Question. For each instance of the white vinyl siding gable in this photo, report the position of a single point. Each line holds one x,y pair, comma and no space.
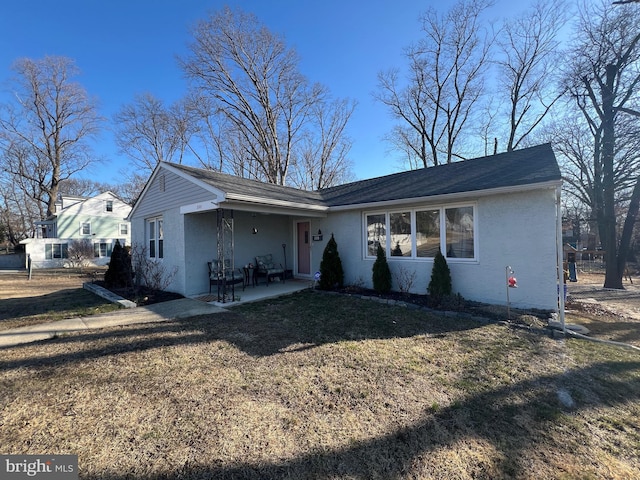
167,188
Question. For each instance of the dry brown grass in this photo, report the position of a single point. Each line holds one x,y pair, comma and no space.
48,296
324,386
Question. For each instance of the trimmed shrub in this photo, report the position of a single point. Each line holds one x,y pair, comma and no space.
331,273
381,272
119,272
440,283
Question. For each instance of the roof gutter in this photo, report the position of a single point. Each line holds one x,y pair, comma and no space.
448,197
276,203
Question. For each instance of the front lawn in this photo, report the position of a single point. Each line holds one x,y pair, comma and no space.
324,386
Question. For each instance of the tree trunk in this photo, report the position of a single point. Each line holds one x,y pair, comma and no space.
627,230
613,275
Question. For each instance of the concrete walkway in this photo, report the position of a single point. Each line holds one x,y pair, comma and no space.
175,309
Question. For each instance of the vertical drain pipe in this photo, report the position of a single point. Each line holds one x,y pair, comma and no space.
559,270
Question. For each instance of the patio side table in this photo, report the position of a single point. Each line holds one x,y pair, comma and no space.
250,276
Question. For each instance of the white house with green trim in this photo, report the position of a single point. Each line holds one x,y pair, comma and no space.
101,220
484,214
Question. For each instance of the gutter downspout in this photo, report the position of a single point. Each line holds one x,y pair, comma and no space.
559,269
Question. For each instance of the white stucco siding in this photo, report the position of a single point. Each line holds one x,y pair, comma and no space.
273,231
516,230
346,227
200,247
163,198
174,248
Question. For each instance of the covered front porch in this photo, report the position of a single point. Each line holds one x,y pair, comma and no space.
231,239
257,293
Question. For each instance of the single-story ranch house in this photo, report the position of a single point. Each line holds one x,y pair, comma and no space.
485,215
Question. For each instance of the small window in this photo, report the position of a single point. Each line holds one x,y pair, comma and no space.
459,232
109,206
155,236
376,233
124,229
56,250
427,233
102,249
85,228
400,225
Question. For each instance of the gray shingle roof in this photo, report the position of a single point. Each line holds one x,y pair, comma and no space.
253,188
521,167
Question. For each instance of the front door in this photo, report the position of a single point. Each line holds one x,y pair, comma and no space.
304,249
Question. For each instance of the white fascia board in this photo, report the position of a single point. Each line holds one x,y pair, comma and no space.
271,210
205,206
269,202
449,197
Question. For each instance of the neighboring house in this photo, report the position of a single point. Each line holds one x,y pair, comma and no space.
485,215
101,220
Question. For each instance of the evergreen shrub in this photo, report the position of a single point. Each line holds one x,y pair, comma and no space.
381,272
331,273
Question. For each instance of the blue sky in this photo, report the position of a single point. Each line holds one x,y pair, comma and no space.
125,47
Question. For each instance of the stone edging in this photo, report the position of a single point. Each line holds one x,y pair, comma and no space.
108,295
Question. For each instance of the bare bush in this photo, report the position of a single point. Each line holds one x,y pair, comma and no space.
151,272
404,279
80,253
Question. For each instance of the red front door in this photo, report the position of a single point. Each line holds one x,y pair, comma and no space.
304,249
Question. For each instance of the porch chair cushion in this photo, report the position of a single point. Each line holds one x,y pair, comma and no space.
231,276
266,267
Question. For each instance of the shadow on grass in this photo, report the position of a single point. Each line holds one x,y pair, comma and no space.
487,415
305,321
295,322
50,303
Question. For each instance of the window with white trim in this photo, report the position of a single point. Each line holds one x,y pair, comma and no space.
56,250
108,206
459,236
155,237
400,228
124,229
427,233
85,228
102,249
421,232
376,233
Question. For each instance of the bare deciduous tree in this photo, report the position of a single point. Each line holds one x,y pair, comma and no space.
604,81
44,131
321,156
445,81
149,132
18,213
528,51
253,83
